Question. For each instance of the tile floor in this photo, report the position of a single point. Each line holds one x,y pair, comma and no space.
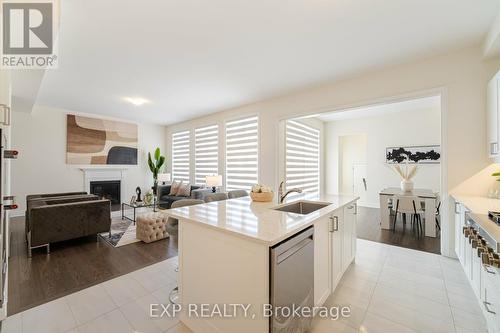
394,289
118,305
389,289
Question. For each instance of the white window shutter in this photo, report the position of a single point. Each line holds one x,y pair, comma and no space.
242,153
206,146
302,157
180,156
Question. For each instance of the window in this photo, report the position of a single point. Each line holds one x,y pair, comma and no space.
206,152
242,153
302,157
180,156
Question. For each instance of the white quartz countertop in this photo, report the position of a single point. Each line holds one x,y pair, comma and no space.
257,221
478,205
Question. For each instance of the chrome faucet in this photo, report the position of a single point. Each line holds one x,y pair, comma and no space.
282,196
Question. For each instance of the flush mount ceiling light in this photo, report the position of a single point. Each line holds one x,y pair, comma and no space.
137,101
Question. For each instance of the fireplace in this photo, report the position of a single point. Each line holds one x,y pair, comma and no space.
108,189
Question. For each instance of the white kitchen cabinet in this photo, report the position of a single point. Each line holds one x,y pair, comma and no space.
336,238
345,226
467,258
354,233
459,236
322,257
476,269
491,300
335,248
349,235
493,118
458,230
484,279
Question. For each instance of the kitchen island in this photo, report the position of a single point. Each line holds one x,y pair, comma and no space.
224,254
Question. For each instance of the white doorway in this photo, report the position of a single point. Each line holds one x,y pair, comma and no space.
355,145
360,140
353,166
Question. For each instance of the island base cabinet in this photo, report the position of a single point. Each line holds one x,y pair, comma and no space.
336,238
335,248
342,242
322,229
349,235
217,268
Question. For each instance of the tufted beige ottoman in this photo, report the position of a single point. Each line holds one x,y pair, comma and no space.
151,227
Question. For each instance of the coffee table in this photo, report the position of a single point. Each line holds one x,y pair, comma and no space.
134,207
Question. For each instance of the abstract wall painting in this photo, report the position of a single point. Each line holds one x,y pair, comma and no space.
413,154
100,141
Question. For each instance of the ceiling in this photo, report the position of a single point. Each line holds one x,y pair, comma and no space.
194,57
383,109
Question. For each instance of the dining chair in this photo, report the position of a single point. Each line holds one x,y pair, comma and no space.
438,216
406,204
172,227
215,197
237,194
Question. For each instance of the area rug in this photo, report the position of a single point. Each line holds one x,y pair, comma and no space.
122,233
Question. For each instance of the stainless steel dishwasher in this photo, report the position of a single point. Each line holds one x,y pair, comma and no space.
292,281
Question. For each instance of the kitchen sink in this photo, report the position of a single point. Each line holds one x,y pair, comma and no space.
302,207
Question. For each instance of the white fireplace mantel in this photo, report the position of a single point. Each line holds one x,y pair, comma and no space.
91,174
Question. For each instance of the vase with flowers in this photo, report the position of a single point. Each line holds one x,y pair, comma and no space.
406,173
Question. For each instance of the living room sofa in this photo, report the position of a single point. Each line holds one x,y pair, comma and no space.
33,197
165,200
52,218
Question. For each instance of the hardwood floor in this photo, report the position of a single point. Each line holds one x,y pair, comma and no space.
72,266
368,228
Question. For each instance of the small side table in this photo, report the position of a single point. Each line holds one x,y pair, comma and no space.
134,207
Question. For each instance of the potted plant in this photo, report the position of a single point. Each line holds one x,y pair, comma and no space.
155,167
493,191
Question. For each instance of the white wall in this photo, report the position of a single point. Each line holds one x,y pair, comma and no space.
461,75
480,183
40,137
408,128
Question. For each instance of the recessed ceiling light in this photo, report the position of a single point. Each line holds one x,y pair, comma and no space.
137,101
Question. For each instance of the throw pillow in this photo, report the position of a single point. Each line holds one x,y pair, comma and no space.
174,188
184,190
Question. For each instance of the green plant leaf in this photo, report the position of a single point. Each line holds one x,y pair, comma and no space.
160,162
495,174
150,163
157,154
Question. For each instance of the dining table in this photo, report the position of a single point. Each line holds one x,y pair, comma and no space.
428,197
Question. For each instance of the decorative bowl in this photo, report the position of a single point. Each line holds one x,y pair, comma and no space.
262,196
